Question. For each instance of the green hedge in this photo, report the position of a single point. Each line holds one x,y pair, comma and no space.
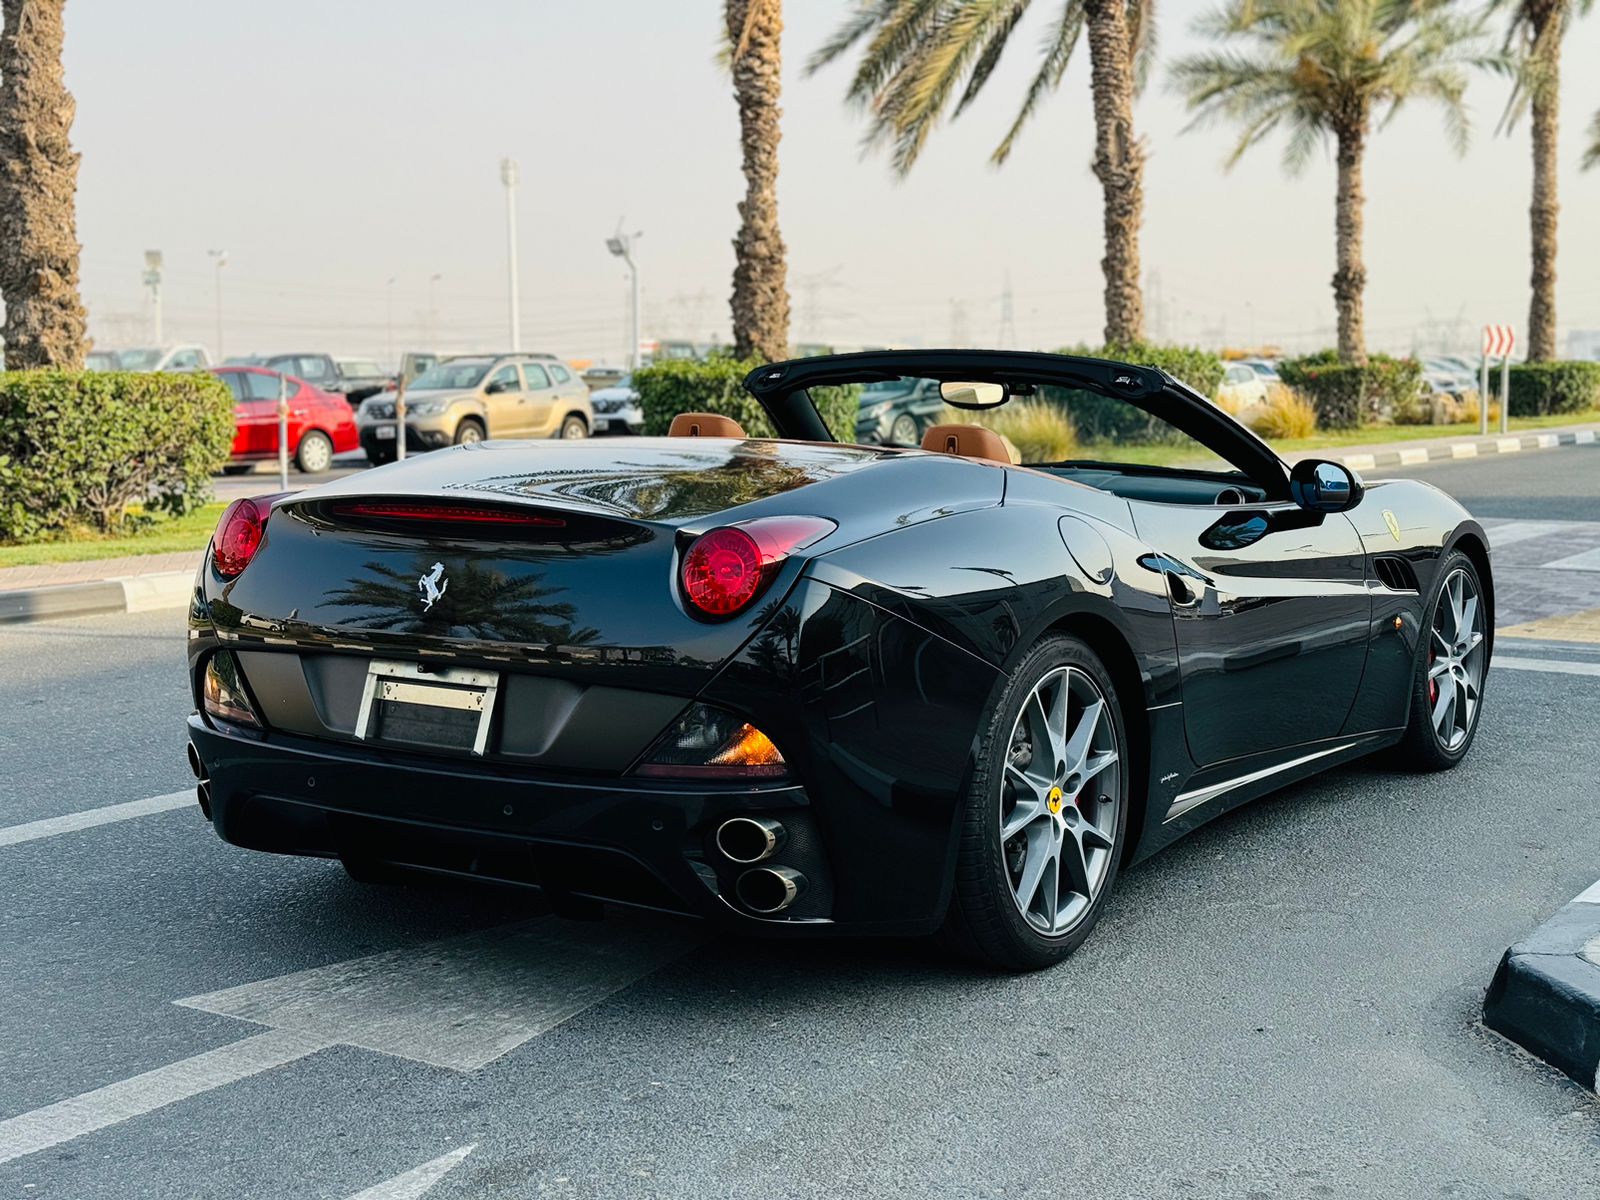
1544,388
1106,419
77,448
716,386
1347,396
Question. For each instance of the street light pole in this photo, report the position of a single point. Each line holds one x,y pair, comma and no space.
508,176
621,245
388,312
432,313
222,260
152,280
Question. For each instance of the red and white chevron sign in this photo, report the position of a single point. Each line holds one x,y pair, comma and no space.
1498,341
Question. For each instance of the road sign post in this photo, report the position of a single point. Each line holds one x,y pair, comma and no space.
400,418
1498,342
283,431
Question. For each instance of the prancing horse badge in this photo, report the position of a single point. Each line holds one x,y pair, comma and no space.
1394,525
434,584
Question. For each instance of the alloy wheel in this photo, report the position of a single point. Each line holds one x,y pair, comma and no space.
1455,660
574,428
1059,800
904,430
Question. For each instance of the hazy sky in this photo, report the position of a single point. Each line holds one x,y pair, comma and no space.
330,145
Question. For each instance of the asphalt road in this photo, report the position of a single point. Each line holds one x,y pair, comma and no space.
1284,1005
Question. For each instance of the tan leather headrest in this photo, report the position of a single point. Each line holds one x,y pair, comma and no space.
704,425
968,441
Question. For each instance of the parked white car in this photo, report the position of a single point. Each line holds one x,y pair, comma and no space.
617,408
1242,388
164,358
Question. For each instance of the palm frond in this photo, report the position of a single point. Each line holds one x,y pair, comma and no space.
868,15
1057,48
1591,156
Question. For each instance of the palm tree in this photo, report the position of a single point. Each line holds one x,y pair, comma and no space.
920,55
1334,70
44,324
760,298
1537,29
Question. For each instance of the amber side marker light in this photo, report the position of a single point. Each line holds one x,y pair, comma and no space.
711,743
222,692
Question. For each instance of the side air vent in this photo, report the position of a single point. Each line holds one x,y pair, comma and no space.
1395,573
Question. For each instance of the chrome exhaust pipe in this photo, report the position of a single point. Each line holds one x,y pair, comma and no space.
749,839
769,890
195,764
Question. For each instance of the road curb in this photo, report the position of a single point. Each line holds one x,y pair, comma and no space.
1545,995
131,593
1464,448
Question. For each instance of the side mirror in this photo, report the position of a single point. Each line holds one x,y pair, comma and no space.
1318,485
494,389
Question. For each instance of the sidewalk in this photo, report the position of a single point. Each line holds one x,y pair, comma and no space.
1421,450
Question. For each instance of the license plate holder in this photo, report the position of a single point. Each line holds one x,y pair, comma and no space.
384,433
417,707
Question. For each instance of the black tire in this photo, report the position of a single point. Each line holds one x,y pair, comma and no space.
238,468
905,431
985,920
573,427
469,430
1422,748
314,454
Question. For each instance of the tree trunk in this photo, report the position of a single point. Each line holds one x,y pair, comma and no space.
44,324
1350,275
1546,103
1119,165
760,299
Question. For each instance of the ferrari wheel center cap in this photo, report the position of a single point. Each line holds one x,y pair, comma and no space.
1054,800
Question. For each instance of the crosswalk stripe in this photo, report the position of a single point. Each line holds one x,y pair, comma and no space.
418,1181
1553,665
13,835
1587,560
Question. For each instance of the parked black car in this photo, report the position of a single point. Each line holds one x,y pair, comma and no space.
807,688
353,378
896,412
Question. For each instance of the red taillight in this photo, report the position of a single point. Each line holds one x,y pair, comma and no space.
459,514
239,535
725,569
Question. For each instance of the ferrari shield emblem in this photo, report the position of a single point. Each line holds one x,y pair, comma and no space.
433,585
1392,523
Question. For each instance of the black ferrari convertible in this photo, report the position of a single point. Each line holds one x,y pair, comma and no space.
806,687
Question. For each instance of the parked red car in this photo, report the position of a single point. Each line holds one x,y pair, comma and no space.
321,424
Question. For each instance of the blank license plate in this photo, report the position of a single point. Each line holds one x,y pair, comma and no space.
404,704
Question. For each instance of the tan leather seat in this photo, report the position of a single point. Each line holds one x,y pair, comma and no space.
704,425
967,441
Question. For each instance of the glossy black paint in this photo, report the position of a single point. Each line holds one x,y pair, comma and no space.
1249,643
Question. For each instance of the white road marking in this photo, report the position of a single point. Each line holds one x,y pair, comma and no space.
1549,441
419,1180
1360,462
1508,533
463,1002
459,1003
1583,437
1589,560
1554,666
1416,455
1464,450
1589,895
72,822
1508,445
61,1122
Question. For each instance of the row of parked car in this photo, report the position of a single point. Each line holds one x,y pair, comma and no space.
449,401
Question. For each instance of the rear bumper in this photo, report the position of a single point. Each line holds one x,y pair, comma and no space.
618,840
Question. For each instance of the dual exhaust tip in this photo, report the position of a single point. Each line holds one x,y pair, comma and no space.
751,840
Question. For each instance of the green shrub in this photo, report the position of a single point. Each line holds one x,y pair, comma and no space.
1105,419
1541,389
1347,396
717,386
77,448
1039,431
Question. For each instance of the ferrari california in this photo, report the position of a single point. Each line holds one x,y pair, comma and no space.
804,687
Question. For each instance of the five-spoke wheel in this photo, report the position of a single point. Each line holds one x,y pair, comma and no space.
1453,660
